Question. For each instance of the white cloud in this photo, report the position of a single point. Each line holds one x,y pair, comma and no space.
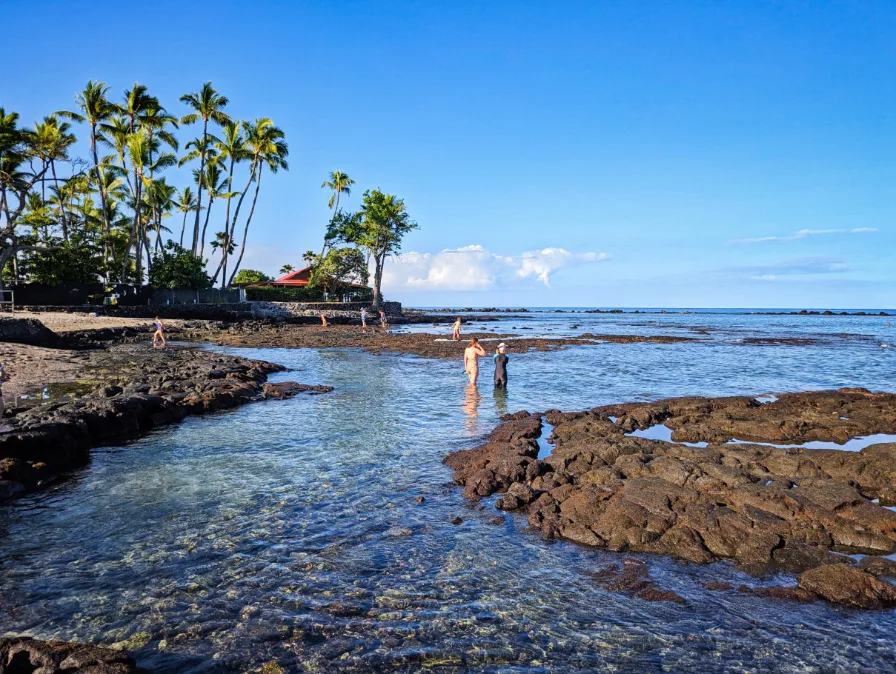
806,233
475,268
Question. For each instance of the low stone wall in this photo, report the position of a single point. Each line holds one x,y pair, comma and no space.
328,309
223,312
218,312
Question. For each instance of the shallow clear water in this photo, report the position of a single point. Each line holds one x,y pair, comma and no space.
289,531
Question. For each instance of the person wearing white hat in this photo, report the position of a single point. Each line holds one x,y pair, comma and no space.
501,366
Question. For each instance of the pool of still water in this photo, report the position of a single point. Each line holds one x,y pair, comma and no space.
290,532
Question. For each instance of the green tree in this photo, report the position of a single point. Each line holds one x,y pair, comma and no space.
340,183
77,260
379,228
250,276
95,109
285,269
186,203
208,105
176,267
16,183
340,267
267,147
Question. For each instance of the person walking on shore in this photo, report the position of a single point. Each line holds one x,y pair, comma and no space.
501,366
158,337
363,319
382,318
471,360
456,328
323,320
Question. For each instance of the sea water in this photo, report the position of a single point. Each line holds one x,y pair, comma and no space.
290,532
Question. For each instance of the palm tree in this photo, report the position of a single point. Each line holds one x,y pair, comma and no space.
214,182
339,182
232,149
137,145
207,105
95,109
267,147
50,142
186,203
223,242
285,269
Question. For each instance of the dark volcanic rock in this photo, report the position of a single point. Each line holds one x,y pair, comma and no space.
27,331
769,509
24,655
137,389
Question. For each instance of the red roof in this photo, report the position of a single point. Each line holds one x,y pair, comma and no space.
298,279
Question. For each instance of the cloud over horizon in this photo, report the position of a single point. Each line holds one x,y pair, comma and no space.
805,234
473,267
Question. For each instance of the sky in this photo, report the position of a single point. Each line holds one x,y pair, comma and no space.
599,154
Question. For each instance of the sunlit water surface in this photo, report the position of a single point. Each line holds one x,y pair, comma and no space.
290,531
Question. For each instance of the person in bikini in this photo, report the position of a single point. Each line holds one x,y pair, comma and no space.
456,328
471,359
158,337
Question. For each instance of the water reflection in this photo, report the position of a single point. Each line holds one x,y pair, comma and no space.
291,531
472,398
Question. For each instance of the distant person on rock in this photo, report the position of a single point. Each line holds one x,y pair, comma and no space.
323,320
364,319
158,337
456,328
471,360
501,366
382,318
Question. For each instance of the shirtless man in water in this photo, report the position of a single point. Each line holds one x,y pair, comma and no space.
471,359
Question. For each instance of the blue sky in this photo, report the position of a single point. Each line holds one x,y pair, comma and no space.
704,154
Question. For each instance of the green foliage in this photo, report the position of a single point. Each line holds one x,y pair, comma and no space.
78,260
177,267
250,276
339,268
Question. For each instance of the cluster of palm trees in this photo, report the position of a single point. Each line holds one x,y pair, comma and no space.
113,207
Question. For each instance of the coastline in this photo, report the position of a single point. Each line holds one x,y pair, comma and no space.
764,502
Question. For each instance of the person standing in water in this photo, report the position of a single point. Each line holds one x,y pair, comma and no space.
501,366
471,360
158,337
456,329
383,321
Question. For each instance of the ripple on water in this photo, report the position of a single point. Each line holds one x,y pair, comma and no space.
290,531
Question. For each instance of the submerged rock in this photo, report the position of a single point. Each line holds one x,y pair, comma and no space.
23,655
136,389
700,497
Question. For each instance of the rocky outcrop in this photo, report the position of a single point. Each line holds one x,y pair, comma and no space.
137,388
767,508
23,655
27,331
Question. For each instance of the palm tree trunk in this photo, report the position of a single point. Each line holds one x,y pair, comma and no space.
227,229
199,193
62,218
208,212
102,187
246,229
183,227
323,248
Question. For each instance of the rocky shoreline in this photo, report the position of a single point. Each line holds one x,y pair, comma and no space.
119,392
700,496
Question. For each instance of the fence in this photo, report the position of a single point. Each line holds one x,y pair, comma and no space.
76,294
